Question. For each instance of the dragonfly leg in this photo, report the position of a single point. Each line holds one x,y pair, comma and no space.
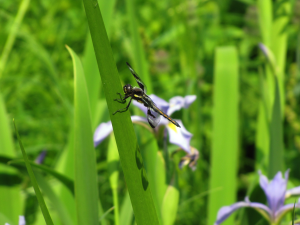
149,112
121,99
124,109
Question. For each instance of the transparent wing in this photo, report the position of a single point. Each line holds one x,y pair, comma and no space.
137,78
154,106
153,117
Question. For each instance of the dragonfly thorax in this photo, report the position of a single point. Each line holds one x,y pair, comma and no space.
127,89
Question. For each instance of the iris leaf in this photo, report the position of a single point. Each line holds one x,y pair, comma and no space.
225,142
36,188
130,156
86,189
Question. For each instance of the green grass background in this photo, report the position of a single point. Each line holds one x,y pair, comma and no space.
245,117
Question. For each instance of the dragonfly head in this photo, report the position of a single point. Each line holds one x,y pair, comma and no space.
127,89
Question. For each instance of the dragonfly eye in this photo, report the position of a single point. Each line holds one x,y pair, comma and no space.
127,89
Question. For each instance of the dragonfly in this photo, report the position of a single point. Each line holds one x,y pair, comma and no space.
139,94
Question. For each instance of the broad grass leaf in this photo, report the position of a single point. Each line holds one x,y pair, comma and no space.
86,189
225,140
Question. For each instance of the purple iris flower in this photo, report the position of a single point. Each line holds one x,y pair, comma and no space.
41,157
275,191
21,221
178,136
264,50
104,129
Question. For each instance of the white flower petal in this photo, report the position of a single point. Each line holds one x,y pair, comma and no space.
292,191
102,131
138,119
140,106
22,220
178,102
179,136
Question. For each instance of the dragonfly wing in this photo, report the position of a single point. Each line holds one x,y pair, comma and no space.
137,78
153,117
154,106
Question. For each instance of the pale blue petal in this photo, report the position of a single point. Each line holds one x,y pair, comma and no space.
140,106
292,191
22,220
163,121
188,100
258,205
226,211
41,157
160,103
263,48
263,181
178,102
102,131
138,119
286,208
274,190
179,136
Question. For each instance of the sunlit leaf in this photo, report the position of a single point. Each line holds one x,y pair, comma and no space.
225,144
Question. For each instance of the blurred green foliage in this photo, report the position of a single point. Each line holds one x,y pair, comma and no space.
179,39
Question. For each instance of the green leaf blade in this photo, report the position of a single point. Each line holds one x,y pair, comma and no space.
170,205
38,193
86,190
130,156
11,194
62,178
113,170
224,156
59,207
276,162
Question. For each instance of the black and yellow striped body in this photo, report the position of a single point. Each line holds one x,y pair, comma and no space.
156,109
140,96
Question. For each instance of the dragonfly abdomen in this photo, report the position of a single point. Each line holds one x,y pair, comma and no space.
166,116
